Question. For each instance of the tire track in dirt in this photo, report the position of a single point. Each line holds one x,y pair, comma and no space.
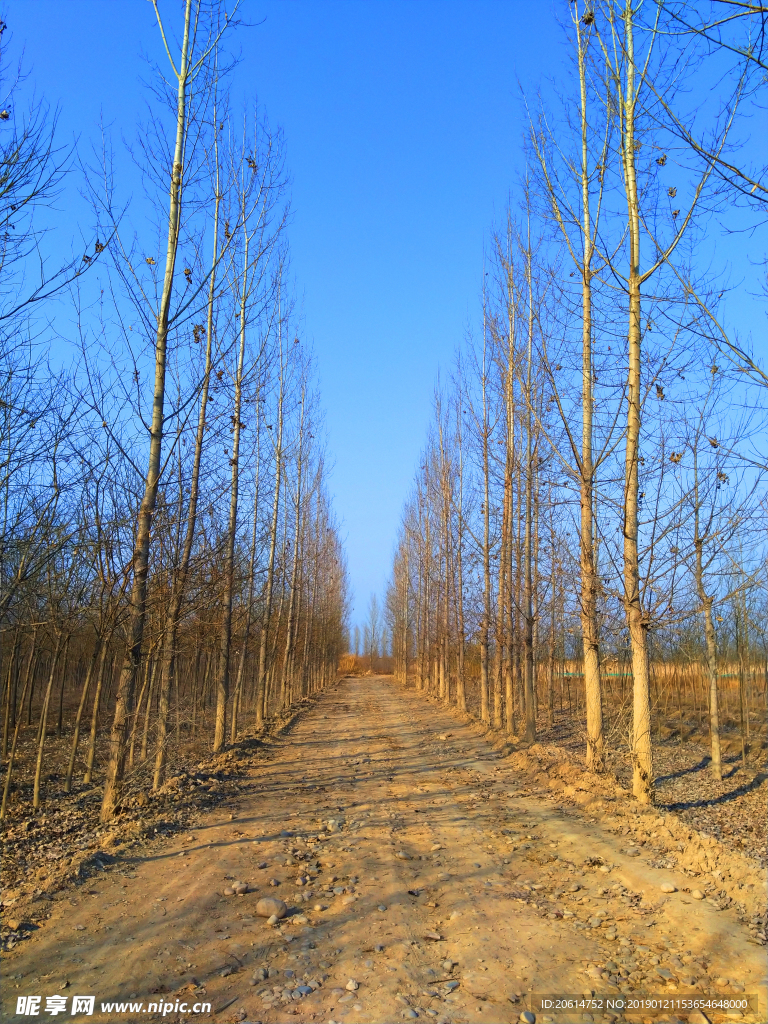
440,892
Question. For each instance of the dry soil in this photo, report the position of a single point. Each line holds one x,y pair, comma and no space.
425,879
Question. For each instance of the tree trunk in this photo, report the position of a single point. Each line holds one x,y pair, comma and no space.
9,685
222,680
79,717
643,782
138,602
486,617
261,680
44,719
16,731
249,601
286,679
87,778
588,603
530,700
170,631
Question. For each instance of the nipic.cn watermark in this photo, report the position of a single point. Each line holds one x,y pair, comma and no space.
32,1006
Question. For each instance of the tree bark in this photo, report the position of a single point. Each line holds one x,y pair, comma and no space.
79,716
180,580
222,679
643,781
130,669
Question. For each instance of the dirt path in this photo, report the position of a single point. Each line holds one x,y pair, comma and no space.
439,892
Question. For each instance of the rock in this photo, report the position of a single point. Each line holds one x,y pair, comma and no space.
273,919
319,907
697,1017
241,888
402,855
352,985
378,949
260,974
410,1014
633,851
722,982
229,891
451,986
526,1017
435,848
381,907
332,826
273,882
697,894
668,887
262,865
269,906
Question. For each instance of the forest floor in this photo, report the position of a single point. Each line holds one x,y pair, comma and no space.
426,873
733,809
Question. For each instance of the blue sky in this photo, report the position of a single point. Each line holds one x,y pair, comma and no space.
403,123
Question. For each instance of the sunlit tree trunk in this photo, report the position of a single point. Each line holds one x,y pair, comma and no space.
222,677
643,783
588,602
286,677
461,691
530,701
710,640
261,679
130,669
239,684
486,551
180,580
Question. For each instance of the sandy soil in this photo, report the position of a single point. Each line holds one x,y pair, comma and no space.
444,888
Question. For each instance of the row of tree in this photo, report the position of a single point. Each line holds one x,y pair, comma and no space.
587,493
170,562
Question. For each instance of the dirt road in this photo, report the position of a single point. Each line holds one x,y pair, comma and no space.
420,881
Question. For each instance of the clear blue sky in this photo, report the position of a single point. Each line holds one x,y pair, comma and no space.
403,123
